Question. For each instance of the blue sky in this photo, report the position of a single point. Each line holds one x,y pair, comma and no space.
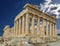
10,8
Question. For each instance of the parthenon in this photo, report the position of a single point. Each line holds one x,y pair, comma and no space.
32,22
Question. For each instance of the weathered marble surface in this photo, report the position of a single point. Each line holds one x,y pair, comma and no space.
24,42
50,44
55,43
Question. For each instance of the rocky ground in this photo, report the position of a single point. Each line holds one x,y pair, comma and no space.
54,43
49,44
16,41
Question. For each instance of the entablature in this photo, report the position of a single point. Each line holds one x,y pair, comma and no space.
41,14
34,10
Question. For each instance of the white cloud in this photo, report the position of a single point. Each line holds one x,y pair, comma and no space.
47,2
47,7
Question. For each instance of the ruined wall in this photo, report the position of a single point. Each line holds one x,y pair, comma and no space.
7,32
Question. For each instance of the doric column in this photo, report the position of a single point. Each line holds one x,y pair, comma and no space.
27,24
42,27
22,25
46,28
51,29
33,29
38,26
19,26
54,29
14,28
55,34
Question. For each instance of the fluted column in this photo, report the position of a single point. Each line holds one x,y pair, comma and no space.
51,29
55,34
38,26
19,26
22,25
42,31
27,24
55,30
33,25
14,29
46,28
